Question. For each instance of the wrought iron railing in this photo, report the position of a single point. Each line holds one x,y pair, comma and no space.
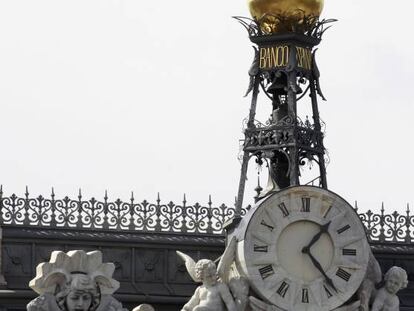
285,132
113,215
161,217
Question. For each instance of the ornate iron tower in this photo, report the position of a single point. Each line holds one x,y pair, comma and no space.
284,70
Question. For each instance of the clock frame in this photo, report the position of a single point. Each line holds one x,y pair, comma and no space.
303,248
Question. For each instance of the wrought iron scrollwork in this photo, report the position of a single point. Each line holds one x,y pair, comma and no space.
169,218
116,215
309,25
282,134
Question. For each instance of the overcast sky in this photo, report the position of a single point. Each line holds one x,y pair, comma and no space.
147,96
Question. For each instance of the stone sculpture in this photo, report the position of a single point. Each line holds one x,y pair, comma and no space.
386,298
75,281
144,307
381,295
217,292
239,286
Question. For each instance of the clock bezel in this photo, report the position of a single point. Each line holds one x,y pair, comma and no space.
244,227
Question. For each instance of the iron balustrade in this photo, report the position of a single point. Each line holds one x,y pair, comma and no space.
272,137
161,217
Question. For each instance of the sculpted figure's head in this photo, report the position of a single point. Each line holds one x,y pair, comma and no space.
76,280
79,294
395,279
206,271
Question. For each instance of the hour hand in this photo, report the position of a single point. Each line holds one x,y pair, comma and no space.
323,229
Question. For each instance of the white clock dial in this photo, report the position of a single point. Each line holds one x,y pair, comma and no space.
303,248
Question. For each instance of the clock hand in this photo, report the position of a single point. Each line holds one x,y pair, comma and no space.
322,230
319,267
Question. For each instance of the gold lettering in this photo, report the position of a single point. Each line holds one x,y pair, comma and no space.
308,59
280,56
304,58
299,52
262,58
275,55
286,55
268,57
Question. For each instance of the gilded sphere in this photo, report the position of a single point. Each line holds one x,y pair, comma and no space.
287,9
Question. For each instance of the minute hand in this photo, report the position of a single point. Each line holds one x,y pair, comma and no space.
319,267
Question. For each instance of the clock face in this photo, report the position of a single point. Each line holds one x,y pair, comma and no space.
303,248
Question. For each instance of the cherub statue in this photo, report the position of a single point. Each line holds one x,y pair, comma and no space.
76,281
386,298
214,294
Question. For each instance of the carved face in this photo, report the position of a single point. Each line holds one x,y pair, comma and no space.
393,284
78,300
206,271
79,294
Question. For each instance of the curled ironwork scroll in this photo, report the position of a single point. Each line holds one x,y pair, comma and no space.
159,217
309,25
117,215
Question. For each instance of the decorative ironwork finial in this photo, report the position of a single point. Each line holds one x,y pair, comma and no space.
132,197
258,189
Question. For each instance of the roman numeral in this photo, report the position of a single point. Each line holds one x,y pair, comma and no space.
266,225
343,274
284,209
305,205
328,292
349,252
283,289
260,249
343,229
266,271
327,211
305,295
